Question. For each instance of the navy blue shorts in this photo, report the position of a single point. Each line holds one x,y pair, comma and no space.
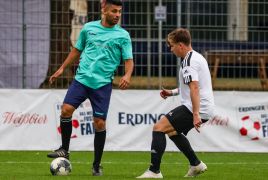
99,98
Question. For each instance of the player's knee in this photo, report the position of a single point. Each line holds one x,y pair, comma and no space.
157,127
65,113
172,133
99,124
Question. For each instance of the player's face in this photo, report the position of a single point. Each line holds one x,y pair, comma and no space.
176,48
112,14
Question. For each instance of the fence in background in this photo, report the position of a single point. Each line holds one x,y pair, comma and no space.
24,43
231,34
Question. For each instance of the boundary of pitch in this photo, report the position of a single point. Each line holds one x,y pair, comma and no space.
217,163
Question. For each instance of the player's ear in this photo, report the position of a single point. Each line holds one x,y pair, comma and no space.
105,11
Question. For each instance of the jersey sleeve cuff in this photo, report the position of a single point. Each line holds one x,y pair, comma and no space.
127,58
79,48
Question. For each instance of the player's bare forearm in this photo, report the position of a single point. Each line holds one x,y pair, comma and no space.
195,98
124,81
129,66
74,54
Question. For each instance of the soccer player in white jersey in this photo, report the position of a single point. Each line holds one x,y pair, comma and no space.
197,104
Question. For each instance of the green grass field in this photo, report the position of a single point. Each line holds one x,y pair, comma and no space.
127,165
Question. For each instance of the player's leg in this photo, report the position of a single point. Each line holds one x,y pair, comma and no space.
76,94
182,120
158,147
66,125
99,141
100,100
196,166
185,147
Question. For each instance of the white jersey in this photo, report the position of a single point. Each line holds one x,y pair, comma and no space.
194,67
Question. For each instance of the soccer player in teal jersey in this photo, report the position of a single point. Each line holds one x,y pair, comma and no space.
100,45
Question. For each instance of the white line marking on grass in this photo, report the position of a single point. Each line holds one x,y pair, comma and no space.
219,163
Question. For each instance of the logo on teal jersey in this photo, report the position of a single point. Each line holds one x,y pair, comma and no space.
92,34
100,45
99,113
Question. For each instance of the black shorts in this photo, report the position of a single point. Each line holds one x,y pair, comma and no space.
181,118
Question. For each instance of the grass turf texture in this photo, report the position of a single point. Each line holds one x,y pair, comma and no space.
127,165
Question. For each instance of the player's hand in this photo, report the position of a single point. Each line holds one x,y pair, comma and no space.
197,122
165,93
54,76
124,82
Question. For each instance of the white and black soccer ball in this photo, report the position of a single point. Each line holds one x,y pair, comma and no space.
60,166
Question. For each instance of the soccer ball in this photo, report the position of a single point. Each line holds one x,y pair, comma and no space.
250,127
60,166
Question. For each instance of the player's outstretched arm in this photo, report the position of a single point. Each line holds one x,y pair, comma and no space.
74,54
124,81
166,93
195,97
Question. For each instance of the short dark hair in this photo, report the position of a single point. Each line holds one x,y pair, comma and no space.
179,35
113,2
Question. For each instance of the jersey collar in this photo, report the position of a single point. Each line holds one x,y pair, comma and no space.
108,29
182,59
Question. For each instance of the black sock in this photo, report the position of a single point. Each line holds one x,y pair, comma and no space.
99,141
66,132
184,146
157,150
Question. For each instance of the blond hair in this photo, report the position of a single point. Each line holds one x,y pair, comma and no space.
179,35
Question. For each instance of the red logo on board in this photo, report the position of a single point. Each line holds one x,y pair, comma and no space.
19,118
217,121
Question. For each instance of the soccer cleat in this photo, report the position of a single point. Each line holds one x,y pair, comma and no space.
150,174
96,170
195,170
59,153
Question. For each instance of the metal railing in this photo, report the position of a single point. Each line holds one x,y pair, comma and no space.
230,34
